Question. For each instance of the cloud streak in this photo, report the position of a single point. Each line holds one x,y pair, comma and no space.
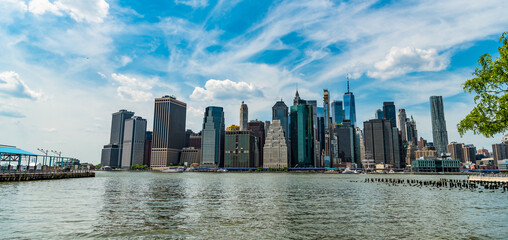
11,85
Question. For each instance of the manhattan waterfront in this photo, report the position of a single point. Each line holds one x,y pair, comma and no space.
129,205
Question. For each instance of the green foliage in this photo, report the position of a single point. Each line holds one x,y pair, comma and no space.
490,115
285,169
259,169
98,166
139,167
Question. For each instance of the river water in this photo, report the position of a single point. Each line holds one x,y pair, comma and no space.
130,205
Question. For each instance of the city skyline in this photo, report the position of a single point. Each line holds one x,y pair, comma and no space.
67,68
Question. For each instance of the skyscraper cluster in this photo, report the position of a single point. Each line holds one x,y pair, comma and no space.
303,135
127,141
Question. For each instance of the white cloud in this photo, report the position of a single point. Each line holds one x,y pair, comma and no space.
193,3
92,11
400,61
225,89
125,60
12,85
132,89
43,6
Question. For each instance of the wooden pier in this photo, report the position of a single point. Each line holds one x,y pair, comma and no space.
32,176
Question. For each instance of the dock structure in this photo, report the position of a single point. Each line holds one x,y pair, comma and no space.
20,165
12,157
15,176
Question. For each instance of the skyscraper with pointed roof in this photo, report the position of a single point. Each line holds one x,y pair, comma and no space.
349,106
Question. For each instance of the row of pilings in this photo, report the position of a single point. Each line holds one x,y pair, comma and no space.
32,176
443,184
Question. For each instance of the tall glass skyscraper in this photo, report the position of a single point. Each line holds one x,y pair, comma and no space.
302,137
349,107
337,112
212,141
439,133
389,113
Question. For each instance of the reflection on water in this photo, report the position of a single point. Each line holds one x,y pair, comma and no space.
246,206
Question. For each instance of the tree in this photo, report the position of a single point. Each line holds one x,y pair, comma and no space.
490,115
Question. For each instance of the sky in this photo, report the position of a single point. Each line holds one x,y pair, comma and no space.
67,65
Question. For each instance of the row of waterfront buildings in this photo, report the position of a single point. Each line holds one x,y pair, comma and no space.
303,135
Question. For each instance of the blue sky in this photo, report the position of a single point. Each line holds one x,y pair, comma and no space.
66,65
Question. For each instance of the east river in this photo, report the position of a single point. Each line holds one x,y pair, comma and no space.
144,205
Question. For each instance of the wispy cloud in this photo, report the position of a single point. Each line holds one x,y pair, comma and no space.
93,11
11,113
193,3
11,85
132,89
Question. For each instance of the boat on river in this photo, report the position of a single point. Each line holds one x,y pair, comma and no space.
349,171
173,170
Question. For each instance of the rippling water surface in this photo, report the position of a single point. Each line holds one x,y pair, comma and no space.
246,206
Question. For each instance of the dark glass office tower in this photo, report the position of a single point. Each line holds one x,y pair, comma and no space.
212,138
337,112
389,113
302,138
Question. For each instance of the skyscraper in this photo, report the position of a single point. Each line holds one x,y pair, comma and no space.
302,138
112,153
148,148
280,112
239,149
337,112
244,116
258,130
212,138
389,113
411,131
439,133
379,114
275,150
349,106
133,142
401,122
469,152
345,142
456,151
359,147
168,131
379,141
500,153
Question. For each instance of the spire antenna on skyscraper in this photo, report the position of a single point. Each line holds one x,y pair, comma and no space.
347,76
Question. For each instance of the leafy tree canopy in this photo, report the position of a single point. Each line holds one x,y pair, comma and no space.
490,85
